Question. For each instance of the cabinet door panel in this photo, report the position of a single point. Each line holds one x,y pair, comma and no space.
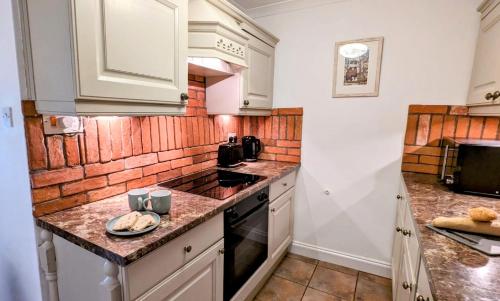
258,78
423,287
280,223
486,71
201,279
131,49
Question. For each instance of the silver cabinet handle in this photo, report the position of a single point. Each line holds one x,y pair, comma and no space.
221,251
246,102
406,232
285,184
188,249
399,197
273,210
184,96
422,298
398,229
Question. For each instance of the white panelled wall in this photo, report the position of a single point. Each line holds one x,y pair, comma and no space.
19,276
353,146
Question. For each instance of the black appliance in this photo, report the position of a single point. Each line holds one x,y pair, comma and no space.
251,148
230,154
245,240
472,166
213,183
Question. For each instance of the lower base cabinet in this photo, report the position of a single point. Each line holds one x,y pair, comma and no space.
409,276
280,223
201,279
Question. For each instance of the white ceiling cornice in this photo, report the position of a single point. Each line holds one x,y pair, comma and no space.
282,6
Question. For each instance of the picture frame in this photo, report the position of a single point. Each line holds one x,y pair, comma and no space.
357,66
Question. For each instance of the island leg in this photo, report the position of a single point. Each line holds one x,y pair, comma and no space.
47,255
111,287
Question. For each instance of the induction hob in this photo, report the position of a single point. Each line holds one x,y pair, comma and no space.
213,183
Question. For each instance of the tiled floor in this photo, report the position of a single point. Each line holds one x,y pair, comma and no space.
301,278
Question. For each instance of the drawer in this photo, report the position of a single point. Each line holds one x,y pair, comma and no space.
156,266
281,185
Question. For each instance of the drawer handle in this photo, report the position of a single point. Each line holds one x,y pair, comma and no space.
406,285
246,102
188,249
407,233
184,96
285,184
221,251
496,95
398,229
489,96
422,298
273,210
399,197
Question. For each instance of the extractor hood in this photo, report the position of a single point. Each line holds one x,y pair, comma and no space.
217,44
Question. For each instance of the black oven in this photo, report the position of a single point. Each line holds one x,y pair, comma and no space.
245,240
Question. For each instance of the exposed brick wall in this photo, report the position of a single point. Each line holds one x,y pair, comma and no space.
427,125
116,154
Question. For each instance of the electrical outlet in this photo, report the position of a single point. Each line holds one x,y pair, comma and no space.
6,117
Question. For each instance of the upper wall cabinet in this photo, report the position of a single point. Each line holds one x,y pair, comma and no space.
107,57
219,30
484,91
258,78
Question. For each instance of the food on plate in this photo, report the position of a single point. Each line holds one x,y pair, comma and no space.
143,222
126,221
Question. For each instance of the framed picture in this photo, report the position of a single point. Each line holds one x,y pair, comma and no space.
356,70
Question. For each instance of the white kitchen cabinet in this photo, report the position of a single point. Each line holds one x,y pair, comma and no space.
397,247
109,57
258,78
484,90
201,279
281,223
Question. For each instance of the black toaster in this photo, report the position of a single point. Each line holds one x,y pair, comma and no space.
230,154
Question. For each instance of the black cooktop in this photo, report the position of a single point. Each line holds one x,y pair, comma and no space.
213,183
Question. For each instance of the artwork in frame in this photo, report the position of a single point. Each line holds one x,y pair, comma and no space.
356,71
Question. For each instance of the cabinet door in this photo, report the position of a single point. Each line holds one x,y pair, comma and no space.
486,71
258,78
404,286
397,246
201,279
131,50
423,288
280,223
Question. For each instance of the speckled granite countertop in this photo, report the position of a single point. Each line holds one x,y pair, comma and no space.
85,225
456,271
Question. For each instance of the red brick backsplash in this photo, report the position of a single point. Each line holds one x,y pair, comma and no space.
116,154
426,127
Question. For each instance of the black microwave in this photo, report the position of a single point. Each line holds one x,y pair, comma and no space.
472,166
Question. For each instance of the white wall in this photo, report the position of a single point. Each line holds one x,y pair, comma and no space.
353,146
19,276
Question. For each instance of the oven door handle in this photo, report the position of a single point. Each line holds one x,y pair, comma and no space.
244,219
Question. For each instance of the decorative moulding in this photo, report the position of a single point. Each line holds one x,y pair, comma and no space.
285,6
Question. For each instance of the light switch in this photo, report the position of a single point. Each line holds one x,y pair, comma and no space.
6,116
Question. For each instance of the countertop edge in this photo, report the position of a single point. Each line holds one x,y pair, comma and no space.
146,249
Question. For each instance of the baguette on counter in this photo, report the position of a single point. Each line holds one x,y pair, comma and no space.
466,224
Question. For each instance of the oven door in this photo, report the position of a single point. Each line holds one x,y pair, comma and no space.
245,242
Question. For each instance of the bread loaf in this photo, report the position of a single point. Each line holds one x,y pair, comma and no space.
482,214
466,224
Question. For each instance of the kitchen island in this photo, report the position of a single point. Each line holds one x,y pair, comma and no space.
454,271
126,264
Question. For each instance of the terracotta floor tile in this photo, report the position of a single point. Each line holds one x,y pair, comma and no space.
279,289
373,288
315,295
295,270
339,268
374,278
334,282
303,258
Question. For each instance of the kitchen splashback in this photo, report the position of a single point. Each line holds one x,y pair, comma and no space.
428,124
116,154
